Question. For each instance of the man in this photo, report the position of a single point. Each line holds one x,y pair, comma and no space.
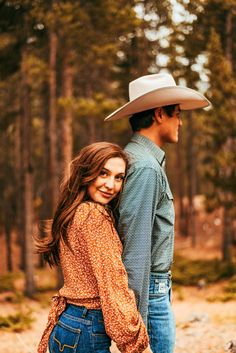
146,220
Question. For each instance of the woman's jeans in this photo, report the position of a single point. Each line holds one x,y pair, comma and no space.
79,330
161,322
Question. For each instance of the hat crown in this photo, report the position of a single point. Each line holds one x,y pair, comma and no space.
148,83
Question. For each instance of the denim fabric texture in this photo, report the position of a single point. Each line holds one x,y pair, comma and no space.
161,322
79,330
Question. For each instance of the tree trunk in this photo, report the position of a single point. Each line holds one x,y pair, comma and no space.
8,243
91,130
228,206
20,226
228,197
52,137
66,128
66,125
46,209
191,180
180,191
229,37
28,182
227,236
51,125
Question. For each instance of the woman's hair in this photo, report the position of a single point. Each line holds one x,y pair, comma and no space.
84,169
143,120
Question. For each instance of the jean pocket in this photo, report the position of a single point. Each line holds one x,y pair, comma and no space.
98,327
64,338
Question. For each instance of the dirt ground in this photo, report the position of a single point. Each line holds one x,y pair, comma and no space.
202,326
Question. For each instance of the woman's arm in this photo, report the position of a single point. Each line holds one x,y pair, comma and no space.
122,320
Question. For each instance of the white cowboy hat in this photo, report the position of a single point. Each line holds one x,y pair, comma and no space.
158,90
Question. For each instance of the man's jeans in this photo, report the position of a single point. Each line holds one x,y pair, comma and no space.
79,330
161,322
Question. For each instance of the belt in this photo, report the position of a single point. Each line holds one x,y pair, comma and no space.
167,274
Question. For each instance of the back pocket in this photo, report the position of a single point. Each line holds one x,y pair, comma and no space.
98,327
64,339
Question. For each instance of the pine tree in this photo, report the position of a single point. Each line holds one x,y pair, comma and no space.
221,139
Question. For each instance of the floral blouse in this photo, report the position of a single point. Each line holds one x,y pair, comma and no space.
95,277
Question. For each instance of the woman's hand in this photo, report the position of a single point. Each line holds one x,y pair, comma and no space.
147,350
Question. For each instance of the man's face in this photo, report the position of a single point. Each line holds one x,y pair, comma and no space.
169,126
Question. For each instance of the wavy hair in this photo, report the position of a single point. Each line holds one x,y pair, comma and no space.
84,169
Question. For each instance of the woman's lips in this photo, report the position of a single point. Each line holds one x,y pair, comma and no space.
106,194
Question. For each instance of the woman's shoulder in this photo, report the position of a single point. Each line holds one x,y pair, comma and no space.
90,206
90,209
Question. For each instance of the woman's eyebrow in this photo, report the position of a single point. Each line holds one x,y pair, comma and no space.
108,170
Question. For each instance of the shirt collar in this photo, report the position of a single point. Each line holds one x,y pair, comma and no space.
150,146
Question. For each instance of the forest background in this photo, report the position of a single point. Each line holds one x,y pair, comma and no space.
65,65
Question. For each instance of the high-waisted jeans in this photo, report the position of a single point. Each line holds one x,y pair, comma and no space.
79,330
161,322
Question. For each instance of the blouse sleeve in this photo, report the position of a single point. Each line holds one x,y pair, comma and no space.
123,322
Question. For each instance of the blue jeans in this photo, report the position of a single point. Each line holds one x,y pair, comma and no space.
79,330
161,322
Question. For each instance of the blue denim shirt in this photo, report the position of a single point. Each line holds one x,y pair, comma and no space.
146,218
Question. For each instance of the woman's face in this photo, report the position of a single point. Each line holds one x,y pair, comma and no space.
108,184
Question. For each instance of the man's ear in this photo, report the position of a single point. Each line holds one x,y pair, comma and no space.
158,115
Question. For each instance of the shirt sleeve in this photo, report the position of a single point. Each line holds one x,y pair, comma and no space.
140,196
123,322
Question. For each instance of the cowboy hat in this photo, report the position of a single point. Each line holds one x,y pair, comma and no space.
158,90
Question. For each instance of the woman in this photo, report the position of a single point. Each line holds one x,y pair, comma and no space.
95,304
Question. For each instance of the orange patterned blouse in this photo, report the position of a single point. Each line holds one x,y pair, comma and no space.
95,277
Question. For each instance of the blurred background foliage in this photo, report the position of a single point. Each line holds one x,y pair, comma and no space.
65,65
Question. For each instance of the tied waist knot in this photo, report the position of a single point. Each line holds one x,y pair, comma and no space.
58,305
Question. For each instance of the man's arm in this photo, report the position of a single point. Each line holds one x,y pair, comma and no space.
137,210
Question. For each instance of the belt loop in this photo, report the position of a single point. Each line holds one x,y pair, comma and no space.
84,313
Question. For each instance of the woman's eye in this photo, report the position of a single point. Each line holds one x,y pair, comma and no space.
103,173
120,178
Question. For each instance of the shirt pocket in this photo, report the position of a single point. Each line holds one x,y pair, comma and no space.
169,207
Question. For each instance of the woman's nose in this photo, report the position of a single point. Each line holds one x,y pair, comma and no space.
110,183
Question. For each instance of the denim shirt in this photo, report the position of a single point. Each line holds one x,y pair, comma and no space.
146,218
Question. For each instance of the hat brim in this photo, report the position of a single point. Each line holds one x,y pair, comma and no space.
187,98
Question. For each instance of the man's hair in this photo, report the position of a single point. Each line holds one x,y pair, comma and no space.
144,119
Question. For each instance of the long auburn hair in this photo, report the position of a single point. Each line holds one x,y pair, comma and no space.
84,169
